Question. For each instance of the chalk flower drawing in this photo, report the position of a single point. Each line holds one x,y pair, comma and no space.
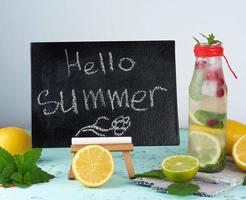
119,126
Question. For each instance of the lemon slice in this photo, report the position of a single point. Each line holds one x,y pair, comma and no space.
234,131
205,129
239,152
180,168
93,165
205,147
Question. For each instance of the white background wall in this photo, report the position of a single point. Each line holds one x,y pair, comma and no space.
25,21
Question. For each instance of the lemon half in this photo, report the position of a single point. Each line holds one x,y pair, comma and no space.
93,165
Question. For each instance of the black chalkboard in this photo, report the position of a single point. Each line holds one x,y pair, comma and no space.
104,89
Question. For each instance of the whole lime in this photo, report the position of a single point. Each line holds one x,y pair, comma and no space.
15,140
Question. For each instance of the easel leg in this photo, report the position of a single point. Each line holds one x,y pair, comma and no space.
71,174
129,165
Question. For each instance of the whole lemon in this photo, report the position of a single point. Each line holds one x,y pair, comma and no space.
15,140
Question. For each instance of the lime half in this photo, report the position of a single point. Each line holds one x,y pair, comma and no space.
205,147
180,168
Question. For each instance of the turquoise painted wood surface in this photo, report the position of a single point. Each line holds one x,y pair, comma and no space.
57,161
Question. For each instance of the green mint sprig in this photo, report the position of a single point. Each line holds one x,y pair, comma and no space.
210,39
21,170
244,181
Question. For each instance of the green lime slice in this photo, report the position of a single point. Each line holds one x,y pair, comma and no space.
205,147
194,120
180,168
203,117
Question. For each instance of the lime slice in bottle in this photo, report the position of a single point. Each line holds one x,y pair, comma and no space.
180,168
205,147
205,116
194,120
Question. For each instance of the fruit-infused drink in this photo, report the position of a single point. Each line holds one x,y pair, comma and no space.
208,109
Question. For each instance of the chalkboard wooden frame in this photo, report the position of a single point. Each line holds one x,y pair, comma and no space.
138,65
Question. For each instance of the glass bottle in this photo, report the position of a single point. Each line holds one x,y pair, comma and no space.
208,109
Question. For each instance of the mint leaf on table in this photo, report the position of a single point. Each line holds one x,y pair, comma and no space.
27,160
7,167
16,177
244,181
151,174
28,172
38,175
182,189
22,170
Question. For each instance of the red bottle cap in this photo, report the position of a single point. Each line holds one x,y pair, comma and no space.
208,50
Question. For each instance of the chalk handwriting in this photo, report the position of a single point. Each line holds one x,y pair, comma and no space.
119,100
135,100
69,65
111,62
139,100
102,63
125,67
93,98
89,68
74,103
152,92
119,126
100,99
57,104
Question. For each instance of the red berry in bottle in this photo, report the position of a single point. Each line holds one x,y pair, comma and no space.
213,122
221,82
219,72
200,64
203,63
212,75
220,92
